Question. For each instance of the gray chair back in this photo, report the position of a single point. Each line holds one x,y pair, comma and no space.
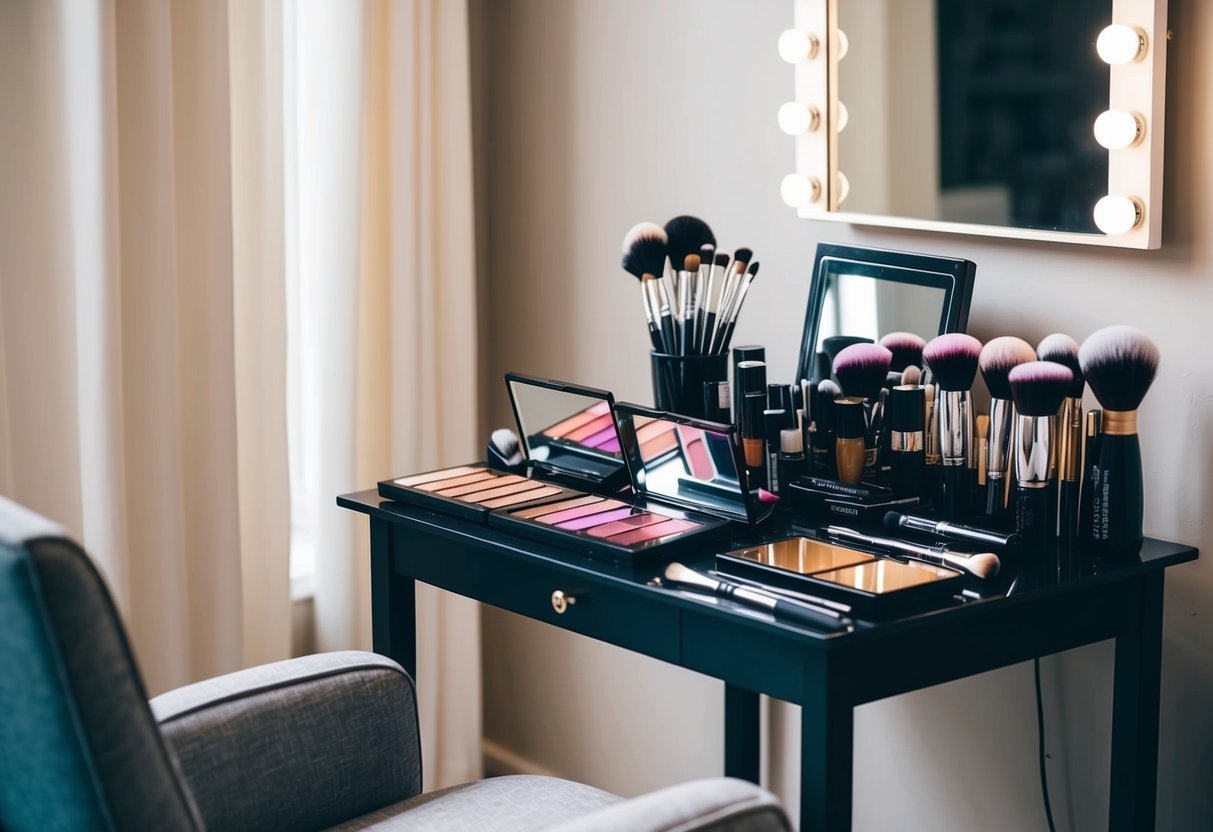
79,748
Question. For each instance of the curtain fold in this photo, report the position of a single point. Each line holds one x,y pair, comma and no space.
214,215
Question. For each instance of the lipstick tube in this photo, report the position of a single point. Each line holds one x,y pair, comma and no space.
1035,468
954,417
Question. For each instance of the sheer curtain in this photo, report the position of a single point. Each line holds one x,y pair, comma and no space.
210,212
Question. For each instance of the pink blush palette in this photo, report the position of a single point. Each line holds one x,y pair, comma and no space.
470,491
607,527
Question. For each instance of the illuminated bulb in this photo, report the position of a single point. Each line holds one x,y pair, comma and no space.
795,119
796,46
843,44
1116,214
1117,129
1119,44
843,117
842,186
799,191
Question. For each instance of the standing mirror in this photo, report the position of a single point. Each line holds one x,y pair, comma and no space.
1034,119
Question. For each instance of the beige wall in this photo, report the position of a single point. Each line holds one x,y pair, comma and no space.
601,114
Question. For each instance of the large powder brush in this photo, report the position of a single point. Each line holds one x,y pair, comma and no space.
952,359
906,348
998,357
1062,349
861,370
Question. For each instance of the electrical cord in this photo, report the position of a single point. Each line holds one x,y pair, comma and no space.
1040,744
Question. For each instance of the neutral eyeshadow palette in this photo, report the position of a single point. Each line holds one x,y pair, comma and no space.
873,586
470,491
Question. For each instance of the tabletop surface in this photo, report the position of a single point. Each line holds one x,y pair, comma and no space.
1021,580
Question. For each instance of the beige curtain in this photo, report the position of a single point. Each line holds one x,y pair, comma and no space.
213,215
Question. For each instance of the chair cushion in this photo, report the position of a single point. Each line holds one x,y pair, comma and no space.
78,746
517,803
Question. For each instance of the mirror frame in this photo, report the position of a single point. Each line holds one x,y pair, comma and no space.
1136,172
955,276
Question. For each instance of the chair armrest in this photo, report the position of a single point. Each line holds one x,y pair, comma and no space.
301,744
720,804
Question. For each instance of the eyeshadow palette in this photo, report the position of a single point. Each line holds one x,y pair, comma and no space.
470,491
873,586
607,527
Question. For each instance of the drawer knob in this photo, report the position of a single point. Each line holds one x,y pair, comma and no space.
561,601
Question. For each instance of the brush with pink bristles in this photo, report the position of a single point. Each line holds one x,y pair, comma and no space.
998,357
906,348
1038,388
953,359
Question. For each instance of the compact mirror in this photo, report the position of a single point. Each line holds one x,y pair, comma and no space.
686,462
864,293
567,430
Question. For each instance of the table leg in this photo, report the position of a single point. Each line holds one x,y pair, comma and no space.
393,603
826,756
742,741
1135,702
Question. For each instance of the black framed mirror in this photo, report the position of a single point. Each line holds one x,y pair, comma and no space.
866,293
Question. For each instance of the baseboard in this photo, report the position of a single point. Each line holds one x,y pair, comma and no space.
499,760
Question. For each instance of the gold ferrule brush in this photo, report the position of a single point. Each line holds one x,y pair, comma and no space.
1069,440
1118,423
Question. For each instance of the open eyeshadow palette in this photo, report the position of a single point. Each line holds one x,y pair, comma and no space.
873,586
469,491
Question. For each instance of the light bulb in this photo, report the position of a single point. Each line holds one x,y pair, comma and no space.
843,118
843,44
1116,214
1118,44
796,45
842,186
799,190
795,118
1117,129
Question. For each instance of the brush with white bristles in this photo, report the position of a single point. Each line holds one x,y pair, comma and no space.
644,254
952,359
1038,388
1062,349
743,286
998,357
505,451
1120,363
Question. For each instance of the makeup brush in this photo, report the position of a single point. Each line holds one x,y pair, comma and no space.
798,612
906,348
861,370
911,376
952,359
823,464
644,253
685,234
739,299
687,303
703,293
1119,363
984,565
1038,388
504,450
1062,349
712,300
997,359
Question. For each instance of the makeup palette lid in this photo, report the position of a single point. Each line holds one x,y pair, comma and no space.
687,462
569,433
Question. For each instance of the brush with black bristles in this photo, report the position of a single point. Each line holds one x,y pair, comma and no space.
952,359
997,359
822,464
713,297
733,277
743,286
644,253
906,348
1062,349
1119,363
1038,388
685,234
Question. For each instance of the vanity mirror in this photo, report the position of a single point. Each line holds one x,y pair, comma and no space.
1034,119
868,293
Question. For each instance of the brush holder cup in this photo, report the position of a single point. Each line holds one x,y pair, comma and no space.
678,381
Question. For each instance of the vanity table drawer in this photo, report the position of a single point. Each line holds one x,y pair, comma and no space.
565,598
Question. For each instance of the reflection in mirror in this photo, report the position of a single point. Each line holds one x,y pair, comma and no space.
566,430
975,112
861,306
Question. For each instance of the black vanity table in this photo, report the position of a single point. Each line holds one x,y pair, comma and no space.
1044,607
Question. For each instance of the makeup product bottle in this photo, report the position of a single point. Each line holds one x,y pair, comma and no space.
849,429
773,422
823,432
905,415
751,378
791,457
1120,363
1038,388
952,359
749,352
753,439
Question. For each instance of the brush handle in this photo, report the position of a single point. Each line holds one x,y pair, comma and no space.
1117,499
954,490
1067,513
905,474
808,616
709,333
1034,516
667,332
995,509
1086,496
